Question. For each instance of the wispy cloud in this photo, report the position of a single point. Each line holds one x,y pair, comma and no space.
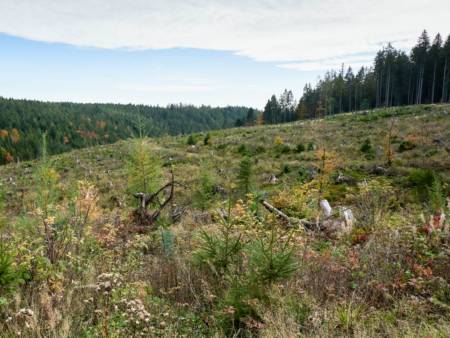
355,61
284,31
167,88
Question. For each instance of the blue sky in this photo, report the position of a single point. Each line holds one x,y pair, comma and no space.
61,72
215,52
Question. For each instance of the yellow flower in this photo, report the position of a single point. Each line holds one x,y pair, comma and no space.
50,220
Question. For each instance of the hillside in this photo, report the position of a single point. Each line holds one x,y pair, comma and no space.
244,247
73,125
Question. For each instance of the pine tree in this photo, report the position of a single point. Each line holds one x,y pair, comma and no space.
251,117
445,75
434,55
245,174
272,111
204,192
207,139
286,106
191,140
143,168
419,57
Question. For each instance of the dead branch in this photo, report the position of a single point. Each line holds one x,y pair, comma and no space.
141,215
288,219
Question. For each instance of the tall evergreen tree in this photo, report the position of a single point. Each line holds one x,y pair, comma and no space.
272,111
419,56
446,71
434,57
395,78
251,116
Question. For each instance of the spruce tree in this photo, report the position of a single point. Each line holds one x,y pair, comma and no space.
245,174
446,71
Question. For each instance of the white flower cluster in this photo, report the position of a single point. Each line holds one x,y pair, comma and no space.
25,313
135,312
107,282
26,316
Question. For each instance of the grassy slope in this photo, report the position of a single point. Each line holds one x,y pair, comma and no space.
273,151
427,126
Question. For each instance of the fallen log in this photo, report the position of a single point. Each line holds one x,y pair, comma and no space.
290,220
328,224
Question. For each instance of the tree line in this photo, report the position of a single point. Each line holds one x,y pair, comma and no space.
72,125
394,79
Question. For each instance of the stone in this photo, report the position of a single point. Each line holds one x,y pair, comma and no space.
326,208
272,179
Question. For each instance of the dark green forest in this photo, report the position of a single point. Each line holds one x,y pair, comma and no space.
394,79
73,125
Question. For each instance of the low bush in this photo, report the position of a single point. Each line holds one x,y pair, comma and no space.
300,148
191,141
405,146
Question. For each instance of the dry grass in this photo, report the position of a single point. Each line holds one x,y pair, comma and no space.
388,277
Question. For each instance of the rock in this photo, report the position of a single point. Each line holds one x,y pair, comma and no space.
335,228
203,218
344,179
272,179
326,208
347,215
222,213
219,190
439,142
176,213
379,170
192,149
336,225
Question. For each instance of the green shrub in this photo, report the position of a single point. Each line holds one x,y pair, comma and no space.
10,277
245,174
242,149
286,169
421,178
168,241
204,193
305,174
218,252
405,145
300,148
311,146
191,140
207,139
367,149
269,261
260,149
244,265
436,196
143,169
284,149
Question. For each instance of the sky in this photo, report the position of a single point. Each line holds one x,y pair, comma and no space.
215,52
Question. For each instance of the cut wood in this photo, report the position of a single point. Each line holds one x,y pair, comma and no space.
288,219
141,215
